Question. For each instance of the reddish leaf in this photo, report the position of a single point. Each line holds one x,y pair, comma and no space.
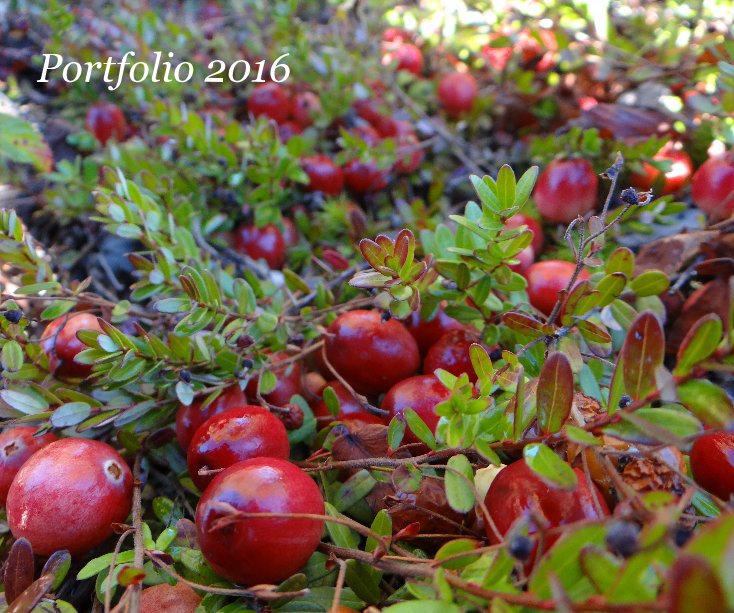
642,354
579,290
555,393
335,259
694,586
129,575
32,595
523,324
372,252
591,332
19,569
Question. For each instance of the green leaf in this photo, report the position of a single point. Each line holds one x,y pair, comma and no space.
621,260
27,403
506,187
459,482
20,142
11,356
610,287
340,534
173,305
581,437
419,428
57,309
423,606
103,562
525,186
554,393
395,432
549,467
70,414
699,343
671,423
486,196
454,548
354,489
650,283
642,354
382,525
694,586
708,402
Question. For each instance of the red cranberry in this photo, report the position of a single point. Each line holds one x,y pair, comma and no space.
451,352
68,495
421,393
566,189
16,446
712,187
105,120
323,175
254,550
525,259
457,92
270,100
366,133
288,130
670,182
189,418
712,463
534,226
409,151
546,279
61,345
290,232
364,177
305,106
350,408
179,598
427,332
237,434
517,491
408,56
371,354
266,243
289,382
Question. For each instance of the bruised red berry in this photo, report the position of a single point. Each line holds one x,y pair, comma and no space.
61,345
304,108
426,332
254,550
269,100
237,434
179,598
261,243
189,418
372,355
457,92
106,121
566,189
16,446
669,182
546,279
289,381
68,495
451,353
421,393
350,409
517,492
712,463
712,187
323,175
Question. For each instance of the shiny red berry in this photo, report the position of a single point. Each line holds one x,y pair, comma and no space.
269,100
408,56
266,243
566,189
106,121
68,495
712,463
427,332
533,225
371,354
457,92
451,353
323,175
237,434
289,381
61,345
179,598
672,181
350,409
712,187
189,418
517,491
546,279
421,393
254,550
304,108
16,446
364,177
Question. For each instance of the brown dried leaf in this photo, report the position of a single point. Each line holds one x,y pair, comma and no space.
19,569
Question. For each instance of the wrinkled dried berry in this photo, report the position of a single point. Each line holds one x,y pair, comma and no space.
520,547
